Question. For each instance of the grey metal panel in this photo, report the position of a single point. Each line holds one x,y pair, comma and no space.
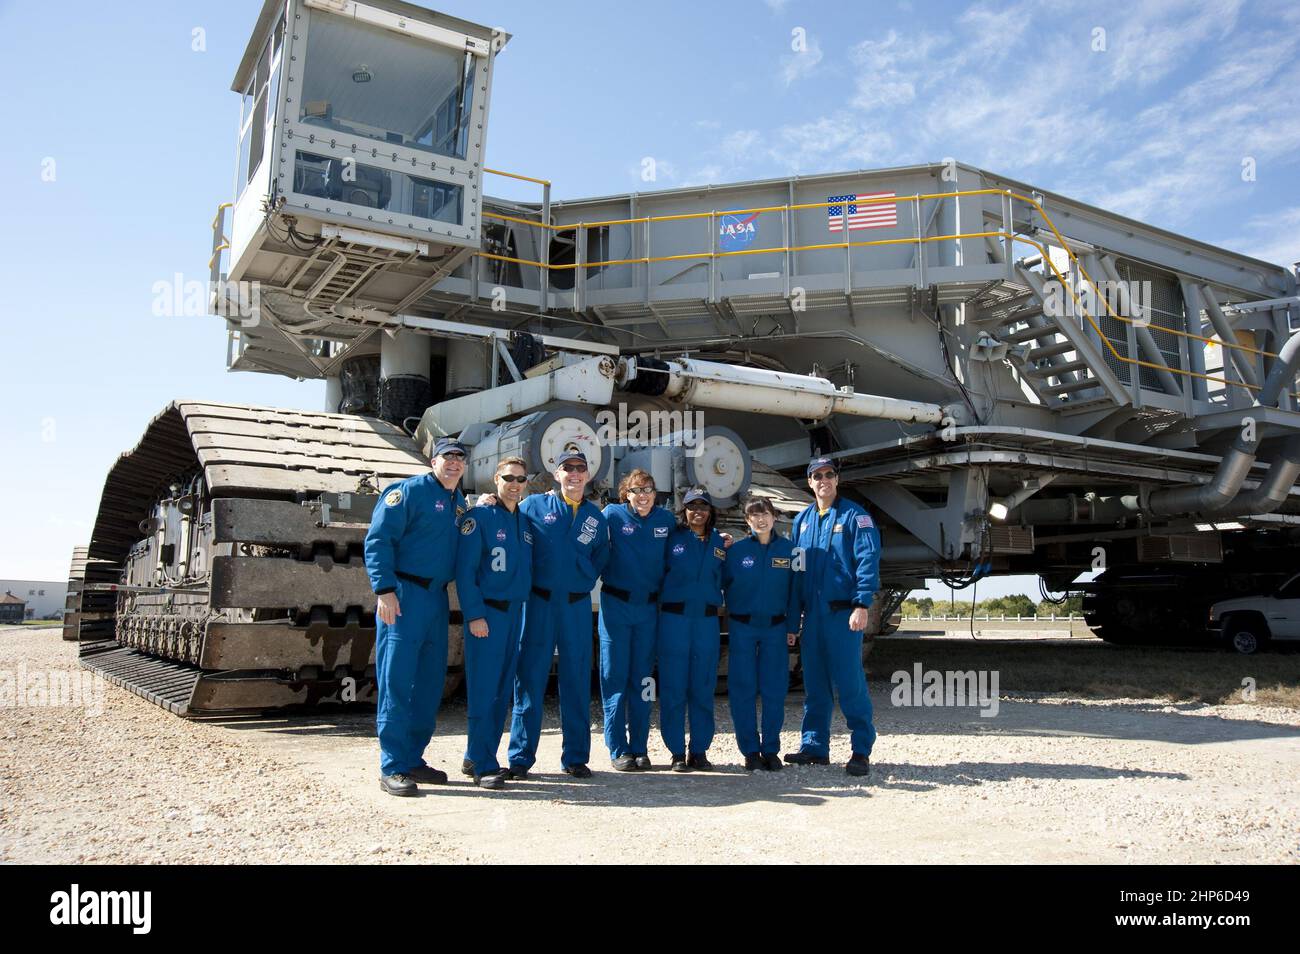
265,582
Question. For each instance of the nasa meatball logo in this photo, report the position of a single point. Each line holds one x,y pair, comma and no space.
747,562
628,529
549,518
439,506
679,549
501,535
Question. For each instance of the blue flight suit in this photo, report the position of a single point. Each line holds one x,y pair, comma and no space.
762,607
494,572
569,553
411,551
689,639
629,622
841,554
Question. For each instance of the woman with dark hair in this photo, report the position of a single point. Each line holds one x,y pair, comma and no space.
762,622
688,632
629,618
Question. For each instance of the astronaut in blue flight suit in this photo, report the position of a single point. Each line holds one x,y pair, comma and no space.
629,617
570,548
689,601
838,545
762,622
494,566
410,558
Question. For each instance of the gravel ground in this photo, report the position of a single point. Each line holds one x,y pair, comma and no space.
1049,779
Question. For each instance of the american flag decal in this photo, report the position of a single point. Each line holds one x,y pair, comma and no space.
864,521
860,212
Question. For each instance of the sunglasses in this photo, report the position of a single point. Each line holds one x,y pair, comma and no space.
697,505
824,475
453,455
513,478
640,491
575,468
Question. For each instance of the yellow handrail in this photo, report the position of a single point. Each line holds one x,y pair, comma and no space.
515,175
221,208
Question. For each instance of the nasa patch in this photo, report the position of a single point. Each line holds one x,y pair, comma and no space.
679,549
501,536
661,532
628,529
468,526
439,506
394,498
549,518
747,562
838,528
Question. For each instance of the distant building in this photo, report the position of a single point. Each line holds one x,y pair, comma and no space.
12,608
44,599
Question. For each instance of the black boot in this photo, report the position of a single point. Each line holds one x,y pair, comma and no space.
859,765
752,761
700,762
679,763
803,758
398,784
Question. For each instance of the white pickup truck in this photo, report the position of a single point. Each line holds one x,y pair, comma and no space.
1248,623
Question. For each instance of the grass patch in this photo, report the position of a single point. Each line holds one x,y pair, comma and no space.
1102,671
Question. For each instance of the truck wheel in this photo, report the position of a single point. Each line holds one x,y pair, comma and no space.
1246,636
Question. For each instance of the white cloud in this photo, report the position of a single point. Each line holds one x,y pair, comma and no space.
1272,238
799,64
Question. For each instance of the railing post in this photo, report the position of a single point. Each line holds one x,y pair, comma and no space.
1008,243
544,270
580,266
713,255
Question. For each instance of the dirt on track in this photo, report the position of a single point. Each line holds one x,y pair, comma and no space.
1049,779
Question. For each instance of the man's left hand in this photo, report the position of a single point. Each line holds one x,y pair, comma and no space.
858,619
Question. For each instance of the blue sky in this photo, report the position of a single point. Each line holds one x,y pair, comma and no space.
141,131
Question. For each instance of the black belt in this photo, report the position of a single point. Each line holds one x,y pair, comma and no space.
500,605
423,581
573,597
625,596
680,609
839,606
746,617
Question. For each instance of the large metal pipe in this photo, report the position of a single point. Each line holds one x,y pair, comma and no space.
1088,509
1274,489
1233,469
736,388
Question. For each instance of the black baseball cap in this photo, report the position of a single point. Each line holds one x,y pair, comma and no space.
445,444
571,455
697,493
817,463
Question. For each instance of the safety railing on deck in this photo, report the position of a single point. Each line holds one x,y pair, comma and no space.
713,255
